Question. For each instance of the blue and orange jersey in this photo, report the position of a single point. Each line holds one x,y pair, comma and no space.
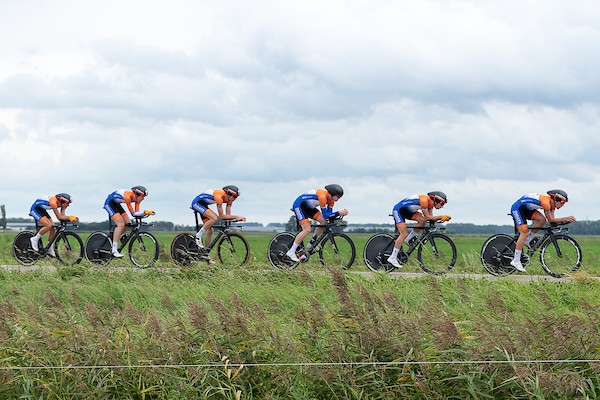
212,196
415,203
124,196
317,198
533,201
47,203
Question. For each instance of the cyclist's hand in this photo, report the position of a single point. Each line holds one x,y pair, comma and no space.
73,218
445,218
343,212
240,218
138,214
149,212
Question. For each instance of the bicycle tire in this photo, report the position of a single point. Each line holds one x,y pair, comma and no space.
184,250
377,250
98,248
68,248
278,247
570,256
233,249
143,250
339,253
22,250
496,253
436,254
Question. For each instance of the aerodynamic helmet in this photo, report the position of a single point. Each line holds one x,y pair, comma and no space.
232,190
335,190
140,191
558,195
438,197
63,198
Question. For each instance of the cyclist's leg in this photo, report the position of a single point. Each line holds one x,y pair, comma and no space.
302,214
43,219
520,216
208,220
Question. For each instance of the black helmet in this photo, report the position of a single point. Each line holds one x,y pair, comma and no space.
140,190
335,190
63,197
232,190
438,197
558,195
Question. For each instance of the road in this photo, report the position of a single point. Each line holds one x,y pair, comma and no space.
395,275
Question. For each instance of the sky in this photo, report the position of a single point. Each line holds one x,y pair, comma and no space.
483,100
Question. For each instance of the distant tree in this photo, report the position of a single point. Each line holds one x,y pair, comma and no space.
291,225
3,216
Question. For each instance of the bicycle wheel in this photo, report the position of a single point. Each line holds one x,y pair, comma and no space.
496,254
561,256
233,250
68,247
278,246
22,248
98,248
377,250
184,250
436,254
143,250
339,253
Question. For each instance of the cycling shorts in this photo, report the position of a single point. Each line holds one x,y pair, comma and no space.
521,214
39,212
303,211
112,207
401,215
201,208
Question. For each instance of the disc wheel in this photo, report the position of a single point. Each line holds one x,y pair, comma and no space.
22,250
98,248
496,254
278,247
377,250
184,250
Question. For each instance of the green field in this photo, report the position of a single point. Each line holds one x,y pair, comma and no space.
84,332
468,248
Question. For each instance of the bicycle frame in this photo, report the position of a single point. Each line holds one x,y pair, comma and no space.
317,241
222,230
134,233
60,226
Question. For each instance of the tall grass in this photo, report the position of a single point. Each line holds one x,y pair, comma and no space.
150,332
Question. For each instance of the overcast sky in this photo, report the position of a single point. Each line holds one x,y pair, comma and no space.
483,100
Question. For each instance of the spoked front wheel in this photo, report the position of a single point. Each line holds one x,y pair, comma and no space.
98,248
68,248
22,248
437,254
377,250
337,251
278,247
233,250
560,256
143,250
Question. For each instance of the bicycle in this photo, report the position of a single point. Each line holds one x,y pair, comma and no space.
232,248
67,245
143,246
336,249
560,254
436,252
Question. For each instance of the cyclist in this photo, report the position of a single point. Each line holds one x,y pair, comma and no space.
200,204
305,207
417,208
113,205
39,211
526,208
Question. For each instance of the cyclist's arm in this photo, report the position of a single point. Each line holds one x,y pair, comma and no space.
552,219
60,213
